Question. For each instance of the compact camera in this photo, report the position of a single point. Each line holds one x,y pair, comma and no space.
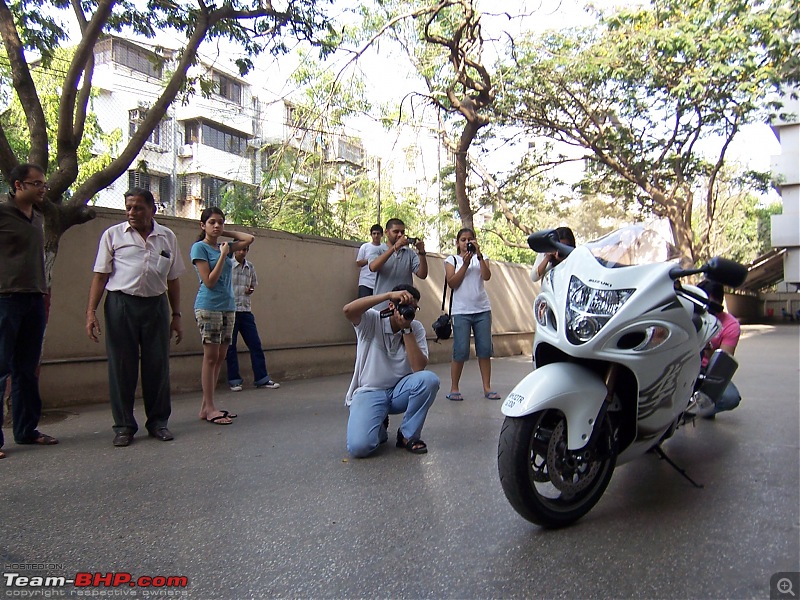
471,247
412,241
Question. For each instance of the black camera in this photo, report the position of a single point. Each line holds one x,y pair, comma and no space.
470,247
406,311
412,241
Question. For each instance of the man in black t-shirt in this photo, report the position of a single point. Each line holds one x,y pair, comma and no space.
22,308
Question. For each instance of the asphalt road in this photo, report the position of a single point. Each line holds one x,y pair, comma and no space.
271,506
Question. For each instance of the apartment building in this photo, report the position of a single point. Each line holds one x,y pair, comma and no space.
786,167
223,137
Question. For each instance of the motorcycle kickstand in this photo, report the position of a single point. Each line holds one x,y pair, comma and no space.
658,450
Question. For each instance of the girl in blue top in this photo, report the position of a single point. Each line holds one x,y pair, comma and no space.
214,307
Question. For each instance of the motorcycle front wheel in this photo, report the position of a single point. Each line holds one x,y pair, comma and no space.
545,482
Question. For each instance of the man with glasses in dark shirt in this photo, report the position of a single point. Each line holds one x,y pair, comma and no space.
22,306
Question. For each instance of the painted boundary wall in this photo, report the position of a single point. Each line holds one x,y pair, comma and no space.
304,281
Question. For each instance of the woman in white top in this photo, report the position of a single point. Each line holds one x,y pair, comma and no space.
465,273
548,260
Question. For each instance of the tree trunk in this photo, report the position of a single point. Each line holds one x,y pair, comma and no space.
462,162
57,219
682,233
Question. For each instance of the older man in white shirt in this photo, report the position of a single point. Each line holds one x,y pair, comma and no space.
138,263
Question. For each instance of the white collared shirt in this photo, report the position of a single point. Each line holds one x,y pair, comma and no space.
137,266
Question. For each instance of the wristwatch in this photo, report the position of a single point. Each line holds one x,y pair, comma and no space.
407,331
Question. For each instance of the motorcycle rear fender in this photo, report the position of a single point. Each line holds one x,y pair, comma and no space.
574,390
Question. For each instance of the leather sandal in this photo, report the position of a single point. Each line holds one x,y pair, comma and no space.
413,445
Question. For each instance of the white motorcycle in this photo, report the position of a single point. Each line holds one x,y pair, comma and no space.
617,355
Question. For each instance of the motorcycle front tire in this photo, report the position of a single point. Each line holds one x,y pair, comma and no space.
541,479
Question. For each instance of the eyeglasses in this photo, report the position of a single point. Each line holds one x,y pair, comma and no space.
39,185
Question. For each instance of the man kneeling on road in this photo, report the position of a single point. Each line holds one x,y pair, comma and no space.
390,375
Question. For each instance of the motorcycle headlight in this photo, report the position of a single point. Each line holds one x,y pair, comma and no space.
589,309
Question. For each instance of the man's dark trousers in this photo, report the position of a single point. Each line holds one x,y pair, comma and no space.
22,324
134,323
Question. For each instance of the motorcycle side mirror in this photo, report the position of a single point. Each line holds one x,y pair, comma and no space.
547,240
725,271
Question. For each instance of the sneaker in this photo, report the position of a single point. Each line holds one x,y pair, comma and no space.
273,385
236,388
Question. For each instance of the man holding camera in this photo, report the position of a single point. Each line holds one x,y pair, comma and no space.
396,261
390,375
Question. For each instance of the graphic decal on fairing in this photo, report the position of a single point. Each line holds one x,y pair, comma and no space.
660,394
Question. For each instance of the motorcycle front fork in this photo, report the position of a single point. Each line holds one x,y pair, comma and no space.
610,381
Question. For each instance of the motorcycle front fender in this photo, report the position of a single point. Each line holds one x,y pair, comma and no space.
574,390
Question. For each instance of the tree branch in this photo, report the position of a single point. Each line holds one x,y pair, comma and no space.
72,114
24,86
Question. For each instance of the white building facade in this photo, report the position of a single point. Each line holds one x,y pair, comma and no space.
203,145
786,167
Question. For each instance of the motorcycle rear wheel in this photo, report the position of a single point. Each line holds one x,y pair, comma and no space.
545,483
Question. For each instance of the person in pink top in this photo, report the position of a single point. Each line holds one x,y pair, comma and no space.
727,339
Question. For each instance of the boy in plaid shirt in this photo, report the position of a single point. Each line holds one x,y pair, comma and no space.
244,280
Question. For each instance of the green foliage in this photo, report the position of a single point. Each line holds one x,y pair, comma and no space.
43,31
240,205
33,28
306,186
744,233
47,78
640,91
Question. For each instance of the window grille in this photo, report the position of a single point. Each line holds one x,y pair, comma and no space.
227,87
135,118
136,58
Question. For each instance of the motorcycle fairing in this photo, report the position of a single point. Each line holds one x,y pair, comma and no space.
572,389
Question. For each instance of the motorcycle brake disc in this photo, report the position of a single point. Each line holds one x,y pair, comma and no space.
570,472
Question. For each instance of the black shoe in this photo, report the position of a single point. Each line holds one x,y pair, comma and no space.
385,430
161,433
123,439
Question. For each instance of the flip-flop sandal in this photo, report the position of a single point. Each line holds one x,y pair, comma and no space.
454,396
2,454
218,420
225,413
492,396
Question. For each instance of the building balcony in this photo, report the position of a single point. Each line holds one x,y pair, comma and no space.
227,114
